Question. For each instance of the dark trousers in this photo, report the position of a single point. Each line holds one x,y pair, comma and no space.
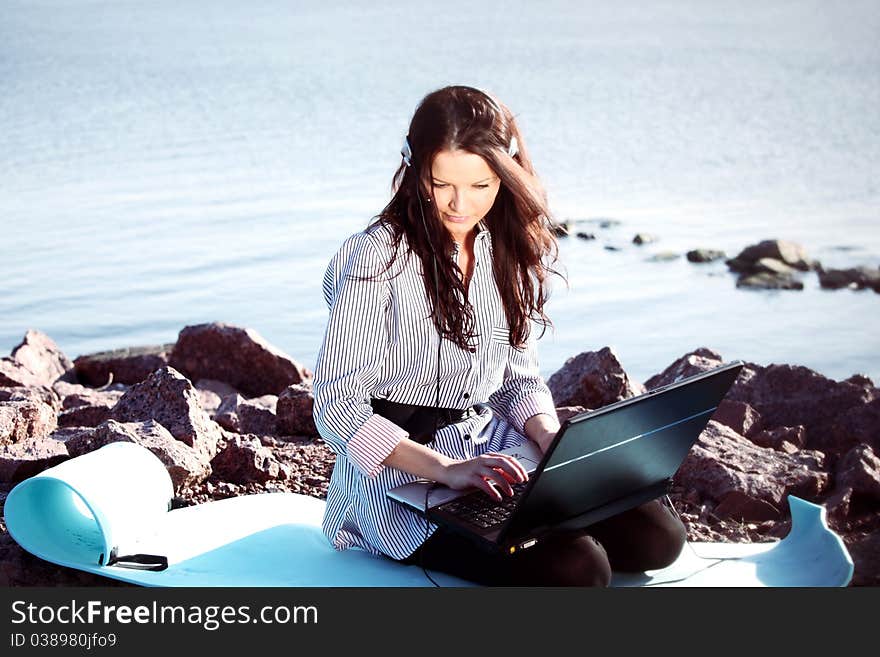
647,537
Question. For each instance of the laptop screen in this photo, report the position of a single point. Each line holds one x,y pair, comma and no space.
618,450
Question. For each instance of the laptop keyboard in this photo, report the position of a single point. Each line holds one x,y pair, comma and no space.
481,510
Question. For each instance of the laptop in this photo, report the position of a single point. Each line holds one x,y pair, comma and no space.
599,464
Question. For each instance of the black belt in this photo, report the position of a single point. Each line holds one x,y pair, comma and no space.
420,421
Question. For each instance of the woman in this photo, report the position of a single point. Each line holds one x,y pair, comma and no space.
432,307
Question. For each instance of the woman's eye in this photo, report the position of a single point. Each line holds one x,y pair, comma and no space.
439,185
481,186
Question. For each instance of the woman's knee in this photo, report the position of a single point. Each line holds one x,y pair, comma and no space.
667,542
564,561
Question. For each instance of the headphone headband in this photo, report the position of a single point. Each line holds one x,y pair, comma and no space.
407,154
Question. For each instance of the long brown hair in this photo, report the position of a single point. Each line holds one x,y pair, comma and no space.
524,244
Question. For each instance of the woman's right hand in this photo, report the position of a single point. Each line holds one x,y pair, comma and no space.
492,473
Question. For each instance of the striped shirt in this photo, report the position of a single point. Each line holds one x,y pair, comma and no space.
380,342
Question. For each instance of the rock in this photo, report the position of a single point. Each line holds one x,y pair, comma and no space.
857,425
837,507
781,438
865,552
90,415
860,380
562,229
790,253
241,415
565,412
295,412
835,279
856,277
865,277
169,398
586,236
40,356
722,461
739,506
86,407
74,395
611,247
859,471
592,379
37,393
16,375
26,459
185,466
739,416
696,362
772,266
211,394
243,460
129,365
766,281
705,255
664,256
237,356
20,568
739,266
792,395
644,238
21,421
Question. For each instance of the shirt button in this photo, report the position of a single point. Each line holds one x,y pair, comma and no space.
467,395
467,436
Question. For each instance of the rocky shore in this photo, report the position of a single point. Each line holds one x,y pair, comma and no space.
229,414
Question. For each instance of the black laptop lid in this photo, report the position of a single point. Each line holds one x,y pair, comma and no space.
614,451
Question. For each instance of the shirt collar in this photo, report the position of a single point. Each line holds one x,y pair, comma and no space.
482,234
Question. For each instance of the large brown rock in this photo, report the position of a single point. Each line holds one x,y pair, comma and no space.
185,466
722,461
592,379
129,365
40,356
696,362
237,356
169,398
791,395
295,411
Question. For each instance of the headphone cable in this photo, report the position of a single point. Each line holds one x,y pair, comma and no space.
433,484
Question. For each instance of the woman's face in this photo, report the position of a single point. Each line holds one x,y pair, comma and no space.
464,190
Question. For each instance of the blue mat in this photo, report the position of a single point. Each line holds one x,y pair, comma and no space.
115,500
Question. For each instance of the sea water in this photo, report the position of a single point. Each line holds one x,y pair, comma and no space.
172,163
